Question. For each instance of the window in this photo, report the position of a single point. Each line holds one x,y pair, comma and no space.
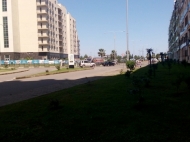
4,5
5,31
7,57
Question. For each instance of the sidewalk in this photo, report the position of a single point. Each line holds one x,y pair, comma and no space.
14,71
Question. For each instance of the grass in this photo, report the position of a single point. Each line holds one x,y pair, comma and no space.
104,111
6,70
62,70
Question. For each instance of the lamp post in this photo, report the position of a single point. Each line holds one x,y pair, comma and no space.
127,35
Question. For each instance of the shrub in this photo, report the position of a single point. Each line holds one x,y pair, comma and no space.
187,81
128,74
47,71
184,63
121,71
13,69
150,72
130,65
6,65
54,105
57,67
178,82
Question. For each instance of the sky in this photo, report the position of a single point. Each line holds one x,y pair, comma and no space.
99,21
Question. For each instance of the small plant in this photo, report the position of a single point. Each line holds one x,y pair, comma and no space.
184,63
54,105
154,67
128,74
146,81
13,69
58,67
6,66
121,71
169,66
138,86
150,72
47,71
130,65
187,81
178,82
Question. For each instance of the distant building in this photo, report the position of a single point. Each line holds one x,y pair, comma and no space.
39,29
179,31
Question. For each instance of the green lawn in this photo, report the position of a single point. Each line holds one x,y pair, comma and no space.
104,111
5,70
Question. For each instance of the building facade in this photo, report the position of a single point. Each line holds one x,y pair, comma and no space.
179,31
37,29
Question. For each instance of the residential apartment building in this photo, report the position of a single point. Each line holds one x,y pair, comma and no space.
37,29
179,31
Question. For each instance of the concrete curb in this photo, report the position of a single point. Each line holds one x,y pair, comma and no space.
31,76
14,72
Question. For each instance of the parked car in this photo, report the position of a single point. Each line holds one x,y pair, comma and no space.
108,63
154,60
85,63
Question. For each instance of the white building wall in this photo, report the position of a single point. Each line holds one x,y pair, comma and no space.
7,14
28,25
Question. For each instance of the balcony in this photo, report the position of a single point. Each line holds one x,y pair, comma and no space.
44,4
43,35
44,49
43,20
42,28
42,12
184,30
43,43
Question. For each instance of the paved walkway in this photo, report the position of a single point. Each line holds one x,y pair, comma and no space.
13,71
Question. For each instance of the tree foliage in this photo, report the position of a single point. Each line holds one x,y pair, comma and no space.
113,55
101,52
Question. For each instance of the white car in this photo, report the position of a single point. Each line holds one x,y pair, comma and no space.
154,60
85,63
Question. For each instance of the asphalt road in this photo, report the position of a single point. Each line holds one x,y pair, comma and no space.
17,90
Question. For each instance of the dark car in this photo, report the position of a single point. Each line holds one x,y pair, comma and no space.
107,63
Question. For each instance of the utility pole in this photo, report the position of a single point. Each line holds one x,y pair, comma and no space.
127,34
114,36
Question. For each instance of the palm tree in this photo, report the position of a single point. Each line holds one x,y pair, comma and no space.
149,52
113,54
101,52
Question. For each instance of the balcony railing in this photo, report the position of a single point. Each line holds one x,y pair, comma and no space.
42,4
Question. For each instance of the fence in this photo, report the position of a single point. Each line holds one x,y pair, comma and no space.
28,63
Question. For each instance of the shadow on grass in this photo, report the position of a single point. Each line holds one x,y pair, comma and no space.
95,110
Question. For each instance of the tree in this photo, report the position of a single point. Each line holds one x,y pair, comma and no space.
162,56
81,57
157,56
113,55
85,56
149,52
118,59
101,52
